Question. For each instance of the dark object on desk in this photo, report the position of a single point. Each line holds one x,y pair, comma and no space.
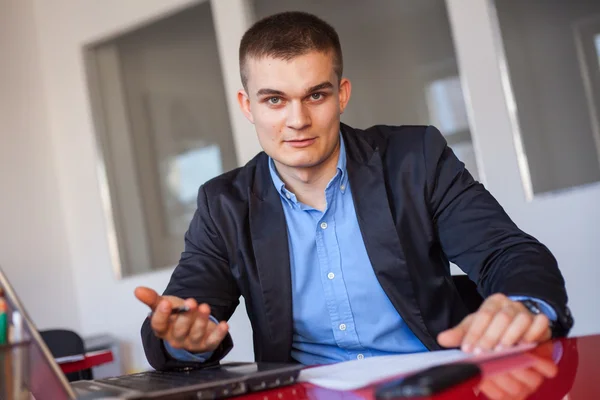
65,343
428,382
467,289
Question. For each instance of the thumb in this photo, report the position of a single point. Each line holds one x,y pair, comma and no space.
454,337
147,296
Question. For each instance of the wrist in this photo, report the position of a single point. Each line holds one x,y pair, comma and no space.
559,327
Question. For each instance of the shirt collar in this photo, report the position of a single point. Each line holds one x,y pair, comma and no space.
291,197
341,166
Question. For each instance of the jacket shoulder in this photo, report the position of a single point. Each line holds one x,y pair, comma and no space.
235,183
400,139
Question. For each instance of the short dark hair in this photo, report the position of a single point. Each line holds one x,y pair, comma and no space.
287,35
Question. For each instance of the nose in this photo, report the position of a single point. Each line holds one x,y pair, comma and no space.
298,117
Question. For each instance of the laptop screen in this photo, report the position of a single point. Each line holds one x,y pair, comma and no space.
28,365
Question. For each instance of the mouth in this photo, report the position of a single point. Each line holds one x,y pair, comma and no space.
299,143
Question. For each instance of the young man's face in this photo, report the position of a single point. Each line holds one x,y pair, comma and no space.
295,107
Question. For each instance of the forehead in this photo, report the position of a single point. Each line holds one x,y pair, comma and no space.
292,75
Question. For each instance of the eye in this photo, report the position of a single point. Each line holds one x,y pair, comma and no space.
274,100
316,96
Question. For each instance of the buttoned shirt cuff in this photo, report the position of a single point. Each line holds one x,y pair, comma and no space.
544,307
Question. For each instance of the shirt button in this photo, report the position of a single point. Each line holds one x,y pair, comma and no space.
342,327
342,188
360,357
323,225
331,275
289,196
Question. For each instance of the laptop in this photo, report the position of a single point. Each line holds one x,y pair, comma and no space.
28,370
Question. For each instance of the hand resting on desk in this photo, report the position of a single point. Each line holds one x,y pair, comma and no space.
192,331
498,323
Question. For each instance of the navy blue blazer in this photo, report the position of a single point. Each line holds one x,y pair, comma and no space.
417,207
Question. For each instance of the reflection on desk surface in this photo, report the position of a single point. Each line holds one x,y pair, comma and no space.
551,371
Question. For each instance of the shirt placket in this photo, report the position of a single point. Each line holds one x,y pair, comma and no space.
336,295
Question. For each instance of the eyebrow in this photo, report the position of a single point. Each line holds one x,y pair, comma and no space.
320,86
273,92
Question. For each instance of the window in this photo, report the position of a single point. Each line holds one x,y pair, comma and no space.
163,127
552,61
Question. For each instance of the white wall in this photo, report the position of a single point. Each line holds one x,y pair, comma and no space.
33,243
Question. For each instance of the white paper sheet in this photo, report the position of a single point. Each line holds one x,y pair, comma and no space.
356,374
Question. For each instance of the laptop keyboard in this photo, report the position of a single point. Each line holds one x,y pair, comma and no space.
162,380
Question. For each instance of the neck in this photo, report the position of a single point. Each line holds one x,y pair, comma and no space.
309,184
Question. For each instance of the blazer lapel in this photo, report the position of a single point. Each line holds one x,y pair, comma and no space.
270,244
384,247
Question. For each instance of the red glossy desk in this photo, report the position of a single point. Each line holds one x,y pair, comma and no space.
573,363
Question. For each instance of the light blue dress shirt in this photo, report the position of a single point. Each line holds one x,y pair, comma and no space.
334,288
340,311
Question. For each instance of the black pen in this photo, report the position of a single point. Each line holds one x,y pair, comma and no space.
180,310
174,311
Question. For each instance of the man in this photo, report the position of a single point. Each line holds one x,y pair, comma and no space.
340,239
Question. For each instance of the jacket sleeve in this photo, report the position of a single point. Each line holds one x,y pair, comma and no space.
203,273
475,233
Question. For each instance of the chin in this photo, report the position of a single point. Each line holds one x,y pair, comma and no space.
301,159
299,163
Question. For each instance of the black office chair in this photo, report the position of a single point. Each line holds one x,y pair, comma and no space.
64,343
468,292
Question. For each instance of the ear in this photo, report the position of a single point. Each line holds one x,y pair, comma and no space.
344,94
244,102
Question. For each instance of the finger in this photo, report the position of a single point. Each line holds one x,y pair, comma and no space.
147,296
482,319
546,367
492,390
544,351
216,336
160,319
499,324
528,377
198,328
516,330
454,337
539,331
183,322
510,385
